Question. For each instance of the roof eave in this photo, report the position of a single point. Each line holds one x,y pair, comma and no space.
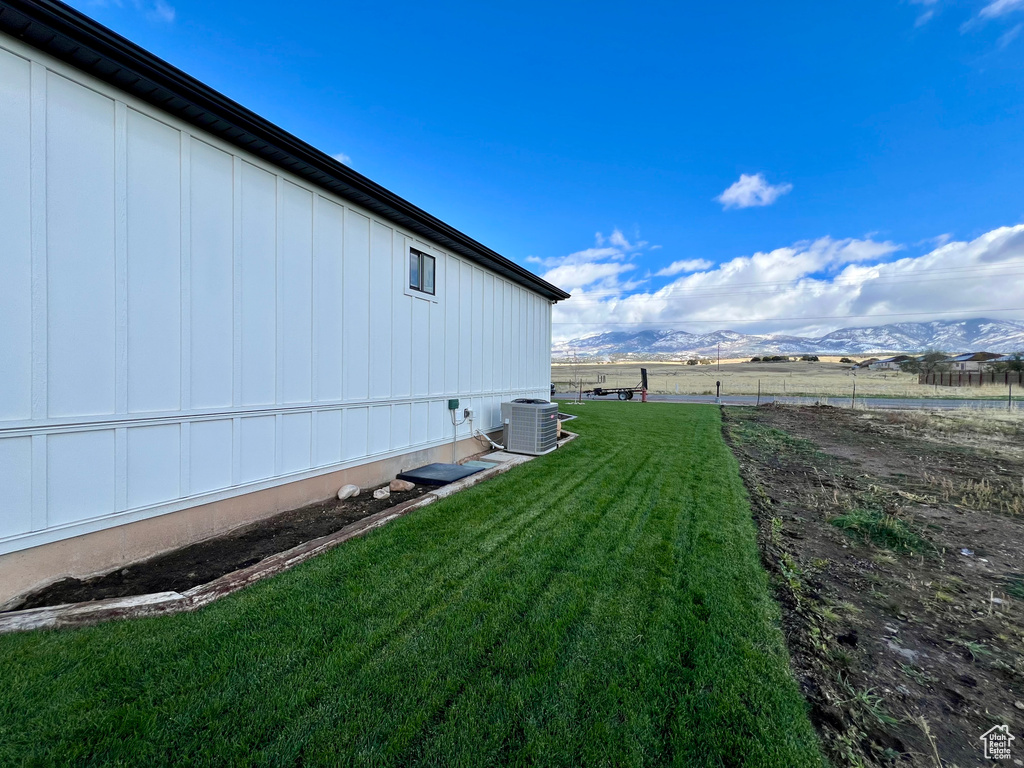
61,31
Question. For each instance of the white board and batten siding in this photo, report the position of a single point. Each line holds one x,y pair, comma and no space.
183,322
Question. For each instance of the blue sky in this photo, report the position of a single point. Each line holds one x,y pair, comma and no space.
597,143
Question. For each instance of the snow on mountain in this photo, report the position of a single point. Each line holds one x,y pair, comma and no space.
949,336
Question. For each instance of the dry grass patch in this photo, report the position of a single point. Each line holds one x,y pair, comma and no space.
992,429
821,379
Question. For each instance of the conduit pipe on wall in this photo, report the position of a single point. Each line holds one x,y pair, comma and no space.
480,434
455,432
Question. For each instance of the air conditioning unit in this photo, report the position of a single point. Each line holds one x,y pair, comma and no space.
531,426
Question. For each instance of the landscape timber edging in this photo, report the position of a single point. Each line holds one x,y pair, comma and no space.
164,603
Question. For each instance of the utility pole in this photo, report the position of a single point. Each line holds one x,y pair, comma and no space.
719,357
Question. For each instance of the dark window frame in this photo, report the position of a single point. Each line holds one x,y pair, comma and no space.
420,274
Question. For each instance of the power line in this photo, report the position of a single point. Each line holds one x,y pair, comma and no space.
773,319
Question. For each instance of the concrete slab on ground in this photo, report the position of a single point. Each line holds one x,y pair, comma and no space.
501,457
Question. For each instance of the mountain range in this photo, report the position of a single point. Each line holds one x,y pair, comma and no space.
957,336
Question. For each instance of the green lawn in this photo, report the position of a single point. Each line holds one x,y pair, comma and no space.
603,605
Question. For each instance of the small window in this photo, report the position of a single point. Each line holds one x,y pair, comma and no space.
421,272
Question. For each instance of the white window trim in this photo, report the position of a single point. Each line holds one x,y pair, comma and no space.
439,266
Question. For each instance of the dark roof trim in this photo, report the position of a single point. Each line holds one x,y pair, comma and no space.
64,33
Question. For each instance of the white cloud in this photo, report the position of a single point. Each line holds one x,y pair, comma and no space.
1009,36
995,10
618,240
687,265
927,15
937,241
163,11
851,280
154,10
341,157
596,269
579,257
571,277
1000,8
752,190
615,247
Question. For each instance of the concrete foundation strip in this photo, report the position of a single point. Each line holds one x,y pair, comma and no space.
163,603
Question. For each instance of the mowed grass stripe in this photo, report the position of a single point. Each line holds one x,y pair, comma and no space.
436,620
447,645
232,678
520,581
563,612
601,605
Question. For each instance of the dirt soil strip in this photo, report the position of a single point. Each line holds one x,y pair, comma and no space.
166,602
156,604
190,566
896,555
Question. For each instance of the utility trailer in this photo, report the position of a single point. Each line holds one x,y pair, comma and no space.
623,393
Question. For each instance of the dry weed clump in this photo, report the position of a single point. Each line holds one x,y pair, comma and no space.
993,431
979,495
983,422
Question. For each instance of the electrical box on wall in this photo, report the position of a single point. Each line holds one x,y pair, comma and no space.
453,404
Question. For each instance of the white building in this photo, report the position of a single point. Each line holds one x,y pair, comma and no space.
972,362
890,363
206,320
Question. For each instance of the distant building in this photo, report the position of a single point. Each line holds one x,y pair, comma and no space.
890,363
1013,357
972,361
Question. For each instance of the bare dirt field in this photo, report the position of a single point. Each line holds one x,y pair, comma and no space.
827,378
896,545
